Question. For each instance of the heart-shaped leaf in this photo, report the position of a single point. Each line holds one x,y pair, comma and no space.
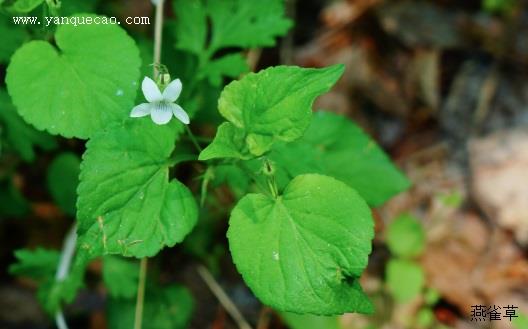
77,89
304,251
126,203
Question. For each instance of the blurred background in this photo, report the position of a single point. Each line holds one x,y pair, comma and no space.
441,85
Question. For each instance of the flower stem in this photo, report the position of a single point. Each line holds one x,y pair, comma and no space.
140,301
158,30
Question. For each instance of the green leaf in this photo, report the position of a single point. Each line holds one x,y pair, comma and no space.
335,146
12,37
240,23
405,279
38,264
63,178
165,308
406,236
425,318
52,294
20,136
272,105
308,321
191,25
24,6
41,264
232,66
71,7
234,23
304,251
228,143
79,88
126,203
120,276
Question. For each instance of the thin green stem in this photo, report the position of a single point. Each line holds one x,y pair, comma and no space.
141,293
193,139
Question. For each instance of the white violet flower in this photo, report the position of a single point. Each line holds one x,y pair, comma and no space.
160,105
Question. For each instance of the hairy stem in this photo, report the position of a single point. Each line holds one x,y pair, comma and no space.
68,250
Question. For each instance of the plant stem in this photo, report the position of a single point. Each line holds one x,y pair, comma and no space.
193,139
228,305
158,30
140,301
141,293
68,250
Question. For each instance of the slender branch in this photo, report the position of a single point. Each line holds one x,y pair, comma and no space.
68,250
138,320
228,305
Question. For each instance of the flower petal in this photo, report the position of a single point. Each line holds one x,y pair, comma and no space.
173,91
151,90
180,113
141,110
161,113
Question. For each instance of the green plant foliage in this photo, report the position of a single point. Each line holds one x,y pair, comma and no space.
120,276
71,7
300,234
126,204
12,37
233,23
406,236
19,135
308,321
41,264
23,6
304,251
498,6
232,175
431,296
37,264
521,322
165,308
335,146
405,279
52,294
270,106
63,178
230,66
239,23
77,89
425,318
